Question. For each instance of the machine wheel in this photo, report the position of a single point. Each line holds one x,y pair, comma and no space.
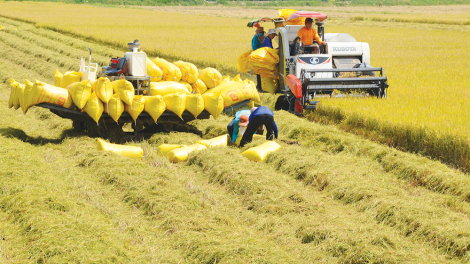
281,103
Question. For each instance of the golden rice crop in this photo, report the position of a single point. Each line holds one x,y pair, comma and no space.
427,68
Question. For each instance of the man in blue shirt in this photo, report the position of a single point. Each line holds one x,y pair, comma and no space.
234,126
260,116
268,41
256,43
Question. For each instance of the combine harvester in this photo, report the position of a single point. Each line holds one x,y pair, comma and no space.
343,65
132,68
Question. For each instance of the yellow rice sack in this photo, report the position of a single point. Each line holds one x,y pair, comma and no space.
81,92
137,107
13,95
181,154
176,103
189,72
170,71
266,58
125,89
128,151
45,93
210,76
20,93
256,137
224,81
155,73
58,76
286,13
69,78
260,152
214,142
115,107
104,89
237,78
94,107
199,86
256,98
164,149
15,86
164,88
187,85
23,96
155,106
194,104
242,65
213,103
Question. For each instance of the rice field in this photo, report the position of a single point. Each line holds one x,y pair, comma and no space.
425,57
327,196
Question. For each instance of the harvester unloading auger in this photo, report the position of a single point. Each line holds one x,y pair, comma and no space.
343,65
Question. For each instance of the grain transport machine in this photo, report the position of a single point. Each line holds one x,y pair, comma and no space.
133,68
342,65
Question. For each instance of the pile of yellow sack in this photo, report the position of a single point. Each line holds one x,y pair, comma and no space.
263,62
286,13
175,86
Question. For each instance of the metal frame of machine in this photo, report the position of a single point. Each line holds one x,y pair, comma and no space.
344,65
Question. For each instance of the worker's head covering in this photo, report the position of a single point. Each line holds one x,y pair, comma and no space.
260,30
243,120
253,109
272,31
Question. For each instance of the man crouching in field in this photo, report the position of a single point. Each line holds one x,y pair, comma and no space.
259,117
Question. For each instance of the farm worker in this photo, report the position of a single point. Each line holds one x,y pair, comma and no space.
256,43
268,42
238,124
308,33
260,116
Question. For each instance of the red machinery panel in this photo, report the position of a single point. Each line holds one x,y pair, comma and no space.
295,85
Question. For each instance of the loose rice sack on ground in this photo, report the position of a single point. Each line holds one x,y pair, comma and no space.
69,78
81,92
242,65
155,106
260,152
164,149
194,104
128,151
58,76
115,107
199,86
215,142
94,107
125,89
170,71
164,88
211,77
137,107
45,93
104,89
181,154
189,72
176,103
155,73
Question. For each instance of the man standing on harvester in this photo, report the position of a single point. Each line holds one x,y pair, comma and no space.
259,117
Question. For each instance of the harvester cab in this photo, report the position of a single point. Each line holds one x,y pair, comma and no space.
342,65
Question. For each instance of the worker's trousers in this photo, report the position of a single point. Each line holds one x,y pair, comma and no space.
255,123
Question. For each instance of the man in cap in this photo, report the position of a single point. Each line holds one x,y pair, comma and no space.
268,41
238,124
307,34
259,117
256,43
